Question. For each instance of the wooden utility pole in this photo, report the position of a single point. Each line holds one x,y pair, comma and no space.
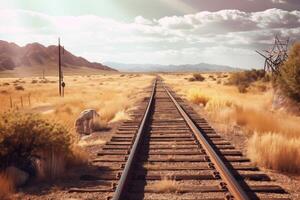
22,102
61,83
62,77
59,68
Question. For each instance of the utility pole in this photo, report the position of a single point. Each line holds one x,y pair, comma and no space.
61,83
59,68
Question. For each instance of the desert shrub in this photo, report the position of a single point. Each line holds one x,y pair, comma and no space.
198,77
262,88
244,79
44,81
19,87
26,137
242,88
34,81
197,97
267,78
5,84
289,74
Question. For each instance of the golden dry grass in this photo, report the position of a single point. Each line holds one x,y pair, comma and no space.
197,97
84,143
275,151
110,94
166,185
252,112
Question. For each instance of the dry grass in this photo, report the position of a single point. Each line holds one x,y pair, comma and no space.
54,165
166,185
111,95
275,151
253,113
85,143
196,96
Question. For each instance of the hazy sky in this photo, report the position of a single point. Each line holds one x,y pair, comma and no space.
157,31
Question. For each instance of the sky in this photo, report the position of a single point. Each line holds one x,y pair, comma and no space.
223,32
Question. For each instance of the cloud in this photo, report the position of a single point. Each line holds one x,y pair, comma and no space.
215,37
279,1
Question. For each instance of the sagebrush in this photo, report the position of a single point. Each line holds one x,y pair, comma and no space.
244,79
26,137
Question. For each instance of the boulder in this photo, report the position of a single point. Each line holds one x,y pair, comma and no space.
17,176
86,121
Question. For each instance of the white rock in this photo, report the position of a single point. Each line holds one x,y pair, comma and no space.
85,122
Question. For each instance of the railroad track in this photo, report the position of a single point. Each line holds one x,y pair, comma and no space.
167,151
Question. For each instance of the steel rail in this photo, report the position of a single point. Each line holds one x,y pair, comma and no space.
122,183
232,184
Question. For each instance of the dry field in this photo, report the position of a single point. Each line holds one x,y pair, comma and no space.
270,138
112,95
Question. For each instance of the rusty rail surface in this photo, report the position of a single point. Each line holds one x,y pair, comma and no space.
232,184
166,136
118,195
234,187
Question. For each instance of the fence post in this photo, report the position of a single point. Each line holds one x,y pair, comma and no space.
10,100
29,102
22,101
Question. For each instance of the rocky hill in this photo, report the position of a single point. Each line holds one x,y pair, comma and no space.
13,56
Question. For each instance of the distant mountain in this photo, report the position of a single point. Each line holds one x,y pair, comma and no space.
13,56
169,68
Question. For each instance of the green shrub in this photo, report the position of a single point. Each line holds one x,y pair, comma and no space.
289,74
24,137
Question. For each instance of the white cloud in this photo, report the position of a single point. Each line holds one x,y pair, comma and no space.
279,1
199,37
